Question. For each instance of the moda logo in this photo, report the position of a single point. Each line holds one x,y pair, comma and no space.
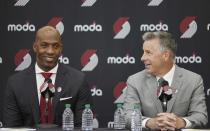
119,92
19,27
96,92
155,2
89,60
121,28
110,124
88,3
22,59
191,59
95,121
188,27
64,60
208,92
208,27
85,28
21,2
121,60
1,60
153,27
57,23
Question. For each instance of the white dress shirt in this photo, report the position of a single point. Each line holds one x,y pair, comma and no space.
168,77
40,79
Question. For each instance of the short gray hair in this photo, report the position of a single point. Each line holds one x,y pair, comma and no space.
167,41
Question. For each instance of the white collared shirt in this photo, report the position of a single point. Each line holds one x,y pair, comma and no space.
40,79
168,77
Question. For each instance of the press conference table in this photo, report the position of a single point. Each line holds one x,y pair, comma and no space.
98,129
79,129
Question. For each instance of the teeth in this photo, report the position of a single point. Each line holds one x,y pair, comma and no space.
49,59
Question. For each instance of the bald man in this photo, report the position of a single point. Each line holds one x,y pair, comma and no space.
23,99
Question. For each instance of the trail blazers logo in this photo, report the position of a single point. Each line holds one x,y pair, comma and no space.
22,60
119,92
88,3
188,27
121,28
21,2
57,23
89,60
155,2
95,121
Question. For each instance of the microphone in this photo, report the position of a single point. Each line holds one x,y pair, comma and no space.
166,94
47,91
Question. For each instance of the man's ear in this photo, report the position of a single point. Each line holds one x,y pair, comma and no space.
34,47
61,48
167,55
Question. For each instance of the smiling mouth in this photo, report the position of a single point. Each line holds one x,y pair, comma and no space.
147,65
49,59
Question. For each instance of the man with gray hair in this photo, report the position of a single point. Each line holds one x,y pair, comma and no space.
186,108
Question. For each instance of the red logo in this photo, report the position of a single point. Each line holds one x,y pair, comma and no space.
89,60
119,91
57,23
95,121
188,27
22,59
155,2
21,2
121,28
88,3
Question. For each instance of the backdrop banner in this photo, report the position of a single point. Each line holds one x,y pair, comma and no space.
103,38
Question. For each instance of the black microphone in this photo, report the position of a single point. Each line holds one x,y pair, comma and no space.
165,95
48,92
48,89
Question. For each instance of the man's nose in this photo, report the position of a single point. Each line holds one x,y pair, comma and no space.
143,57
50,50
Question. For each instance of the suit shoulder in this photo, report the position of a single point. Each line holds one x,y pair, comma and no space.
189,74
138,76
72,71
18,75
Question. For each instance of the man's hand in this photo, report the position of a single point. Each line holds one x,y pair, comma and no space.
161,123
166,121
172,118
152,124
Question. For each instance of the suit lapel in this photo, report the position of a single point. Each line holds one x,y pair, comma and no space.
32,89
176,85
152,85
59,82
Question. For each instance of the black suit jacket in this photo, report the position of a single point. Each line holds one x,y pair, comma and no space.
21,106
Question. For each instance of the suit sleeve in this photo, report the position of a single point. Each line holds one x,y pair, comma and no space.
84,97
11,113
131,98
197,113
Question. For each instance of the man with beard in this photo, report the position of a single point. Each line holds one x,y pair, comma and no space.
24,103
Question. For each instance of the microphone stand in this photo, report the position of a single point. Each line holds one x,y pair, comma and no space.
164,104
46,125
46,105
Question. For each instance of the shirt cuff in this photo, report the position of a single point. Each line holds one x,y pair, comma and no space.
144,122
188,123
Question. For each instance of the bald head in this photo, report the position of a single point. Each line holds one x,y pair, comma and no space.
46,31
47,47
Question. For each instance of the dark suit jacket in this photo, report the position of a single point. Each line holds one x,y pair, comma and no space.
21,106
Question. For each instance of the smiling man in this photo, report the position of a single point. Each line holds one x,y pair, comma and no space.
25,93
186,108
